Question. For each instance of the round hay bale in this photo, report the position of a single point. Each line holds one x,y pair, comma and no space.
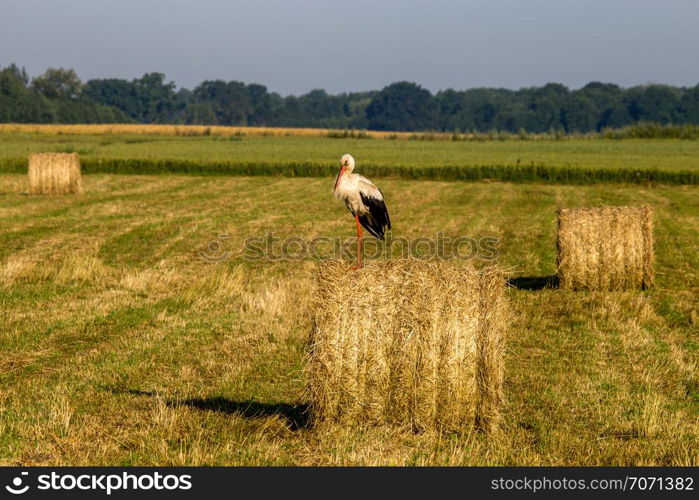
605,248
54,173
408,343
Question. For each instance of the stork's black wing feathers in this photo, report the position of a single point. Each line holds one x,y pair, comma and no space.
377,220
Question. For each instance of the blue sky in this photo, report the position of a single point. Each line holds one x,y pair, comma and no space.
295,46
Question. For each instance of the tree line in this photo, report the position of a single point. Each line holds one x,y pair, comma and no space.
59,96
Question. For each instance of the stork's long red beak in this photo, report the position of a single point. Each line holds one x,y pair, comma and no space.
337,181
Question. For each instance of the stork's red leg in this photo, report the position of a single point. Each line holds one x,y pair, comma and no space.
359,243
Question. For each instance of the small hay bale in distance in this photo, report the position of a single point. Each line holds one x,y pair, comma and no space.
54,173
605,248
408,343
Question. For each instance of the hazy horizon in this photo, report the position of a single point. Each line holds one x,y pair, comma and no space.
293,48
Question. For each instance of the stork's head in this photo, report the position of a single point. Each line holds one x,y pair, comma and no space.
347,163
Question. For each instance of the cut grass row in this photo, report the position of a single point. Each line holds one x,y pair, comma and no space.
564,162
509,173
122,346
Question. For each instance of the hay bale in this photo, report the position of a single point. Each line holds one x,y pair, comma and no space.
54,173
408,343
606,248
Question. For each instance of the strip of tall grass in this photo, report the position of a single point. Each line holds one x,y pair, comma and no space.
650,130
509,173
641,130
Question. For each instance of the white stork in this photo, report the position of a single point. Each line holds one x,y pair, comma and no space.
364,200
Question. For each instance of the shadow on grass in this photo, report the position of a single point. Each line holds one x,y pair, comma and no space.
534,282
296,415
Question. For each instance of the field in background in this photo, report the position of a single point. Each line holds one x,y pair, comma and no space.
193,130
640,130
668,161
122,346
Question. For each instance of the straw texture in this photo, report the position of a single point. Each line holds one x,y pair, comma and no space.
606,248
408,343
54,173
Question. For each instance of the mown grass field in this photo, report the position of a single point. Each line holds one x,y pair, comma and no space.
667,161
121,345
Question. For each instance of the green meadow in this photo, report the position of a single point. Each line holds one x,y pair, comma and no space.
579,161
134,330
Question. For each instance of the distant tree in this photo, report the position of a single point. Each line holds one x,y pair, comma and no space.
59,96
22,104
158,98
355,107
402,106
615,117
260,105
148,99
59,82
230,102
319,109
183,98
20,74
19,103
450,105
689,106
546,104
82,111
489,109
607,100
654,103
322,106
200,113
579,113
119,93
